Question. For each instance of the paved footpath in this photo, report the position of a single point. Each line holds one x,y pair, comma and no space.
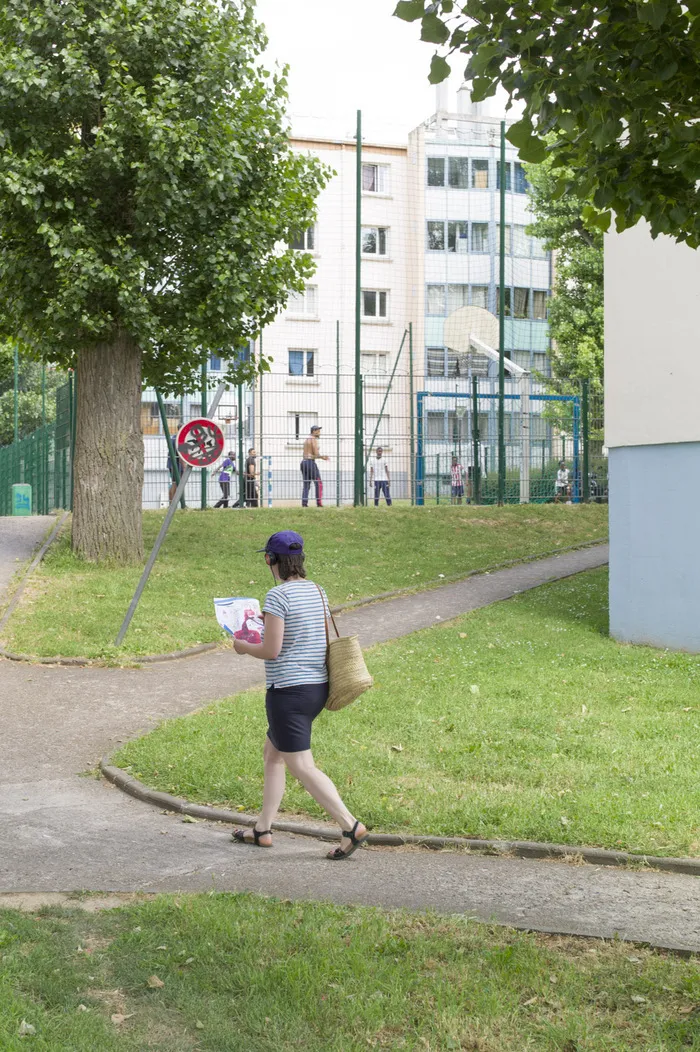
61,832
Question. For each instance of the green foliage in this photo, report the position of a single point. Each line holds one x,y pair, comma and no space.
30,414
576,306
617,84
147,185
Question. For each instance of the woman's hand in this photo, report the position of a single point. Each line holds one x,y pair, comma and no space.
271,644
239,646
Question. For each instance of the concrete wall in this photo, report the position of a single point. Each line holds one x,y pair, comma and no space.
652,426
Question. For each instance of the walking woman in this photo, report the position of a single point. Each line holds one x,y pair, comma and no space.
294,652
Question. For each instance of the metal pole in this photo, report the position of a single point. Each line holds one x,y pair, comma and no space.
502,325
359,480
16,381
203,476
241,472
260,451
337,414
73,392
386,395
576,489
169,442
586,428
476,465
437,480
420,467
412,454
162,532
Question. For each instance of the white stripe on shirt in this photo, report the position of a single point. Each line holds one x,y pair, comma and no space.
302,658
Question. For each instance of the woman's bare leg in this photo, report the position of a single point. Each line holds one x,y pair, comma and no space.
273,791
324,792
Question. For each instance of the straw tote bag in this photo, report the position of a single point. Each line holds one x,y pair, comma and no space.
347,673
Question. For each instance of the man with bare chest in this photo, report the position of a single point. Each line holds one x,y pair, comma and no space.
309,468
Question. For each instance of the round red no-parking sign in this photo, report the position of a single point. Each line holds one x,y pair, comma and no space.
200,442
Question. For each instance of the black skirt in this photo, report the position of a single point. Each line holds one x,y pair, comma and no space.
290,713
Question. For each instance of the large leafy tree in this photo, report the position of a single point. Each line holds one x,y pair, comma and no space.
147,194
576,306
616,82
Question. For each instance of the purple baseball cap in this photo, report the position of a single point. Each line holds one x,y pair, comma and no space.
286,542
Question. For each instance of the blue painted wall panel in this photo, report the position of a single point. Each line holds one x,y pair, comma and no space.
655,545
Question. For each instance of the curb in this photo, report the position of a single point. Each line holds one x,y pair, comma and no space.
594,856
176,655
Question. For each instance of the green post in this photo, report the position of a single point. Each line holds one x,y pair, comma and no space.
585,426
16,405
502,325
412,453
476,459
359,494
44,455
437,481
337,414
260,449
203,474
170,444
73,402
241,470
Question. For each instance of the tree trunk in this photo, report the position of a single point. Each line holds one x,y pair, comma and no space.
108,465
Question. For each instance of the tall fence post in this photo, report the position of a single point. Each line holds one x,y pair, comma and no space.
174,460
241,470
437,480
502,325
359,426
337,413
476,458
262,430
72,393
412,450
16,390
576,407
203,475
586,436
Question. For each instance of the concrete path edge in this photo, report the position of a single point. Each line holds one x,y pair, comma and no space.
176,655
518,848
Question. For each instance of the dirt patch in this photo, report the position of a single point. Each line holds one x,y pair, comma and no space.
32,902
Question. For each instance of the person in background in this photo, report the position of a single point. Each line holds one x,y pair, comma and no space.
228,468
458,476
309,467
562,487
294,650
251,489
379,477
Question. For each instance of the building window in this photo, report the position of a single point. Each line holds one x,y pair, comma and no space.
509,240
436,171
480,175
306,241
507,310
522,303
539,363
374,303
459,173
436,237
299,424
521,242
435,424
480,237
457,425
521,183
458,237
375,178
539,305
373,364
301,363
304,303
381,426
457,296
509,180
480,296
215,363
375,240
436,299
538,249
521,358
435,360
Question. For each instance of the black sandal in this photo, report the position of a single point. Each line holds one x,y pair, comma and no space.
239,835
337,853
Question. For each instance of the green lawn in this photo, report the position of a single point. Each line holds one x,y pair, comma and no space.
519,721
222,973
353,552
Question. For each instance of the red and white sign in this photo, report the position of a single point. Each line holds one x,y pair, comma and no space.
200,442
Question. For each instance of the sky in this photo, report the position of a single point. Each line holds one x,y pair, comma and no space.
346,55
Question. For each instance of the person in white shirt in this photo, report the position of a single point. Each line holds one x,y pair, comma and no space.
562,488
379,477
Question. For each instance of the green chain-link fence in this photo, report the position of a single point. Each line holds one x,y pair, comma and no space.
42,459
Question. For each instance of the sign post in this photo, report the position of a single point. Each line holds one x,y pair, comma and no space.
199,443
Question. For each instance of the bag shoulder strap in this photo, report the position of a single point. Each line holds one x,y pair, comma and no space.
326,616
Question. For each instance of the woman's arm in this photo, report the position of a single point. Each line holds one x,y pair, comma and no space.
271,645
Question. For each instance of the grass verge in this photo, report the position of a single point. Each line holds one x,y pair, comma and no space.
216,973
523,720
353,552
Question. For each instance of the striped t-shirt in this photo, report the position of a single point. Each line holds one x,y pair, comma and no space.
302,658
